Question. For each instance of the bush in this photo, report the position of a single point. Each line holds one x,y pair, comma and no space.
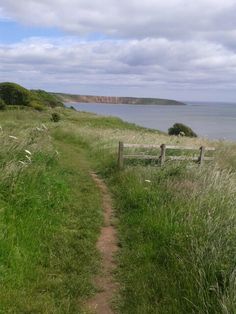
46,98
2,104
37,106
181,129
14,94
55,117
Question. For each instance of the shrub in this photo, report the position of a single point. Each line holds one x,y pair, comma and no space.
14,94
37,106
2,104
55,117
46,98
181,129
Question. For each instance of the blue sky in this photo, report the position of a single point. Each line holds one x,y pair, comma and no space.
13,32
174,49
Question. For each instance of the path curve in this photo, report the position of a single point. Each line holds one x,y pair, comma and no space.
107,246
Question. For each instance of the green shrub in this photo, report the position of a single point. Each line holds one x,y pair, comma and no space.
2,104
55,117
14,94
46,98
181,129
37,106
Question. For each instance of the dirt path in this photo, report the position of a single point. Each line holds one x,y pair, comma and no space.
107,246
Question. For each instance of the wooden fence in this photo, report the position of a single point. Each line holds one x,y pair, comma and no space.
163,157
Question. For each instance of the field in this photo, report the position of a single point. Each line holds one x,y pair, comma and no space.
176,224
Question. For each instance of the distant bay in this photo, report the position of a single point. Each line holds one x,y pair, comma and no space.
211,120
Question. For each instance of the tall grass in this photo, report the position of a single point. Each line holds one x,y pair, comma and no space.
178,236
177,224
178,231
50,216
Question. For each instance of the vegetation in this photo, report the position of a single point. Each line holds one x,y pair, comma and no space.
2,104
177,240
177,224
55,117
15,95
46,98
50,216
181,129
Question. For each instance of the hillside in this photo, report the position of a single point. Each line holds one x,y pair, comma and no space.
115,100
176,224
12,94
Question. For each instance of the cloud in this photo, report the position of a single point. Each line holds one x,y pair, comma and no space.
113,65
149,48
129,19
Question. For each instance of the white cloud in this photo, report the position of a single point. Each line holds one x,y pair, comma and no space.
153,47
118,65
136,18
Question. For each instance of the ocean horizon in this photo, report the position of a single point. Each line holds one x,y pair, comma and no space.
213,120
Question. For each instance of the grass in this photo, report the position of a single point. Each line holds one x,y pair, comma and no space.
177,224
177,238
50,219
177,233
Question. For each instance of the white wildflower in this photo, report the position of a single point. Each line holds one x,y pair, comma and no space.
0,128
14,137
28,158
38,129
148,181
28,152
56,152
44,126
21,162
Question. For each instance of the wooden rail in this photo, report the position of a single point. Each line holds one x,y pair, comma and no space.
163,157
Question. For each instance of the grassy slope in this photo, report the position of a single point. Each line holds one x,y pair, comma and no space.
50,219
177,233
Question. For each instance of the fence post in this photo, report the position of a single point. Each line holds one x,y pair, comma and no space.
163,154
201,157
120,155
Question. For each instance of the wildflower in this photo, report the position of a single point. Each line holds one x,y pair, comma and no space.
44,126
0,128
38,129
28,158
148,181
28,152
21,162
14,137
56,152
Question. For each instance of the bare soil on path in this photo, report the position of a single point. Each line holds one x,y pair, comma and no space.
107,246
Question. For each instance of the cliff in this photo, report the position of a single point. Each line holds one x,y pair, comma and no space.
115,100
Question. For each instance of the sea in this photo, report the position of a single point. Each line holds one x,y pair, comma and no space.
215,121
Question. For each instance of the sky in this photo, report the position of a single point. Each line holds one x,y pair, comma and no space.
179,49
